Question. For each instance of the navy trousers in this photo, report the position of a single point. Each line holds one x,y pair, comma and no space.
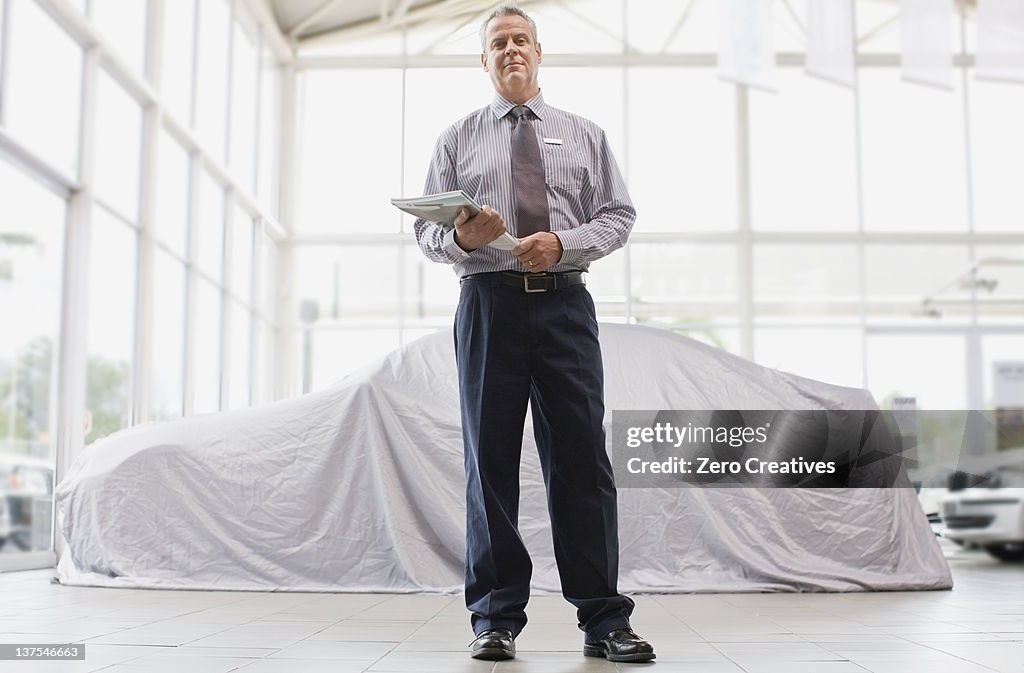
512,347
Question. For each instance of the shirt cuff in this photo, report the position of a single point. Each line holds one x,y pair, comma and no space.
572,246
451,248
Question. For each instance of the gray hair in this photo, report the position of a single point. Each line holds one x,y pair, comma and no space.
505,10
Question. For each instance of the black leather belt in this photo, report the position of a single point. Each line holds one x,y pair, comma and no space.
534,282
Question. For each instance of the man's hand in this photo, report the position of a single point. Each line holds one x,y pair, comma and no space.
479,230
539,252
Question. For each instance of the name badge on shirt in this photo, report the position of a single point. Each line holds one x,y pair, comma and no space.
552,141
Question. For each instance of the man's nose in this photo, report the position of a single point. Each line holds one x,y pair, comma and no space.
511,48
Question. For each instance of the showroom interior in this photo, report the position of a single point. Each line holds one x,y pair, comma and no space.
197,244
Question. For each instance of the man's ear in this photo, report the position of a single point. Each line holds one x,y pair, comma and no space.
483,61
540,56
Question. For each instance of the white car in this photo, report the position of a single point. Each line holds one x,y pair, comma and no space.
931,503
992,518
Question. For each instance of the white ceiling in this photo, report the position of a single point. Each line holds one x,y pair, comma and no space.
303,20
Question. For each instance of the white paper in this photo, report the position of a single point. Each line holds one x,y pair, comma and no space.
443,208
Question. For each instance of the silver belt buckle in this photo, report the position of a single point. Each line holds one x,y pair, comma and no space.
526,283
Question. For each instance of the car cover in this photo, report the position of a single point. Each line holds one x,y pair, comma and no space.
359,487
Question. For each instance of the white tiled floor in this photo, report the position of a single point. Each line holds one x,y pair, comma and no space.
977,627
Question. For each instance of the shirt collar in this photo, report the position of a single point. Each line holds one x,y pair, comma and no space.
501,106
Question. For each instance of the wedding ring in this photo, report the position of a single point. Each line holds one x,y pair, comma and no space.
532,262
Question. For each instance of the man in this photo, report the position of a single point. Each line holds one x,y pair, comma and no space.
525,330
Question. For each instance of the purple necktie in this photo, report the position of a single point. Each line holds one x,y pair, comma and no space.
528,176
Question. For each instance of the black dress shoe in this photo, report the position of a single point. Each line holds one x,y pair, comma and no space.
494,645
620,645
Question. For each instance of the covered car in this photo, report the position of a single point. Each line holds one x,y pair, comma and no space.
359,487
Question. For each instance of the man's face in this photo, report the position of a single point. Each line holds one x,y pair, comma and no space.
512,58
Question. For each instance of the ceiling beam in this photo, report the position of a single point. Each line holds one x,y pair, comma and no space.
683,18
466,20
312,18
433,10
276,41
401,10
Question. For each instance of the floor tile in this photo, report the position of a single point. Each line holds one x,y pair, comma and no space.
978,627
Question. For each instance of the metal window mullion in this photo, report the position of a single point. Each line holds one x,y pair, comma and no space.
960,330
257,143
858,159
227,253
147,92
744,252
721,237
289,149
188,376
176,255
142,372
267,273
256,314
286,316
255,375
627,268
193,111
67,373
580,59
80,30
153,61
229,92
968,154
73,346
974,358
144,263
35,167
188,139
256,372
402,271
278,43
5,55
286,326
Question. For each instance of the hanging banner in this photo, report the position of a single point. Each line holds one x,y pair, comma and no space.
830,49
927,30
746,48
1000,41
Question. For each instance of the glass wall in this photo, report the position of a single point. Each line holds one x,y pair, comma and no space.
31,262
854,236
111,323
145,187
803,229
43,118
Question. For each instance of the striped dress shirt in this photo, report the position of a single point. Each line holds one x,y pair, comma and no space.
590,210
